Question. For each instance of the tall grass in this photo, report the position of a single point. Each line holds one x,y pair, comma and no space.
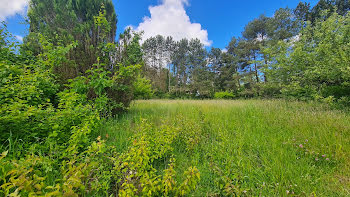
268,148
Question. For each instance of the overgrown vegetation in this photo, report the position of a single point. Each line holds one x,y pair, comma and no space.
316,66
48,126
244,147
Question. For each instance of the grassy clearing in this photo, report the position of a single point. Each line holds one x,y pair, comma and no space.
245,147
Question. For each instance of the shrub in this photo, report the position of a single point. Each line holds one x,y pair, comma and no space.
269,90
34,111
27,95
224,95
247,93
142,88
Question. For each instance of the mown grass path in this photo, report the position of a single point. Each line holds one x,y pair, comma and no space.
269,148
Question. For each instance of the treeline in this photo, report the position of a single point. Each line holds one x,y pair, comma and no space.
300,53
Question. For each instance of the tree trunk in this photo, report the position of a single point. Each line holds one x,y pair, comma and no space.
256,73
169,79
265,77
256,70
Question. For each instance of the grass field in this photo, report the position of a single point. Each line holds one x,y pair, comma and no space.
268,148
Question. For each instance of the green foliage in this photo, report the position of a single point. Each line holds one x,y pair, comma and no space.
58,89
248,93
34,110
178,68
123,90
316,65
108,93
28,95
136,175
100,170
269,90
142,88
91,23
82,174
102,25
7,45
224,95
128,49
19,176
54,153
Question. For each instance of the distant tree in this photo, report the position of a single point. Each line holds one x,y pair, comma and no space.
282,25
316,65
341,6
129,50
200,77
180,61
303,11
240,50
157,55
229,76
216,64
250,53
316,11
224,67
257,29
256,32
178,67
170,48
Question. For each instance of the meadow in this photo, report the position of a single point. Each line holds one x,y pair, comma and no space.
242,147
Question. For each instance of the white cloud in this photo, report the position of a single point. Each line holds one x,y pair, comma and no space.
11,7
19,38
224,50
170,19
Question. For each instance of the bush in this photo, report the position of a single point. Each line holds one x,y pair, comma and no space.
269,90
142,88
247,93
224,95
33,110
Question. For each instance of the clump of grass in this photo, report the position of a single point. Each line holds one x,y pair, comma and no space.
250,147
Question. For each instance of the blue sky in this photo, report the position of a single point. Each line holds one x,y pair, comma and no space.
213,21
